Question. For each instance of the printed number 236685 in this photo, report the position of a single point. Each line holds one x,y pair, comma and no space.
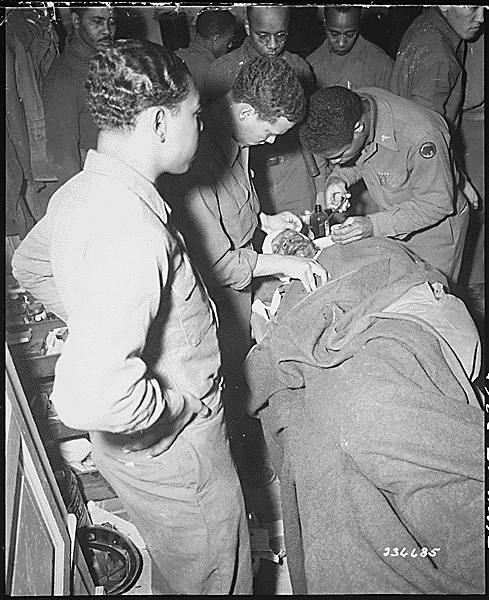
415,552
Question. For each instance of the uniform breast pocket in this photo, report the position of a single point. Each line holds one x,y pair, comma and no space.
233,199
393,180
192,304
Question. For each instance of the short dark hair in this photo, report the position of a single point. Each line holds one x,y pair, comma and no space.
215,22
251,9
333,113
131,76
272,87
357,10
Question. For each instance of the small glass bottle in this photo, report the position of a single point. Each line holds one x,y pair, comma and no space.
318,222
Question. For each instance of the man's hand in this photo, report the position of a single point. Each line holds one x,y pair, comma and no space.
159,437
304,269
334,195
284,220
353,229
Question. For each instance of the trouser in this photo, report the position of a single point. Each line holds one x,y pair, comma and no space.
188,506
248,445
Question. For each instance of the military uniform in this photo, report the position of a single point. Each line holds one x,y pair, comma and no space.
429,65
198,59
281,177
408,168
366,65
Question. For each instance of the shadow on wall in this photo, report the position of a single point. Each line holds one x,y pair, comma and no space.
306,30
175,30
130,24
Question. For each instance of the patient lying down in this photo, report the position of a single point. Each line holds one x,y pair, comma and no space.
429,302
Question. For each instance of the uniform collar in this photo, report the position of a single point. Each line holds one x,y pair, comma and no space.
106,165
250,50
382,123
442,23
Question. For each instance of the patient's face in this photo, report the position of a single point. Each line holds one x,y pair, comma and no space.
293,243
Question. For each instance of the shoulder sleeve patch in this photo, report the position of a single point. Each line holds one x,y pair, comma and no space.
428,150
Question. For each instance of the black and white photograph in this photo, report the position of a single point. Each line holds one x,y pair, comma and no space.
245,342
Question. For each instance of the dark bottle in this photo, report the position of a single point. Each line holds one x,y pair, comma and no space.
318,224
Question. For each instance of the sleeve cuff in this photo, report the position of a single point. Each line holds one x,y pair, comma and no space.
383,226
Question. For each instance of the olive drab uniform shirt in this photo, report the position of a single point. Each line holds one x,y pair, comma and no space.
408,169
429,65
143,332
366,65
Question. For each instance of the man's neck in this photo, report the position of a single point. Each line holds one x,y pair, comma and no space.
122,147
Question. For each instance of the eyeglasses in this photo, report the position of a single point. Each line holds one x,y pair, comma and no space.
264,38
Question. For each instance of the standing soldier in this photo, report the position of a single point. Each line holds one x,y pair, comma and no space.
216,208
140,367
214,33
429,65
346,58
282,179
70,128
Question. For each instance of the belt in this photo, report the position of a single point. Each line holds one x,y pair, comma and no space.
119,440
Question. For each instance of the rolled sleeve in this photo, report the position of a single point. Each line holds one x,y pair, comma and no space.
102,382
431,188
235,269
31,267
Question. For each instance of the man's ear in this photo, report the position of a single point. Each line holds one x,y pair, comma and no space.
247,27
245,111
159,123
359,127
75,20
